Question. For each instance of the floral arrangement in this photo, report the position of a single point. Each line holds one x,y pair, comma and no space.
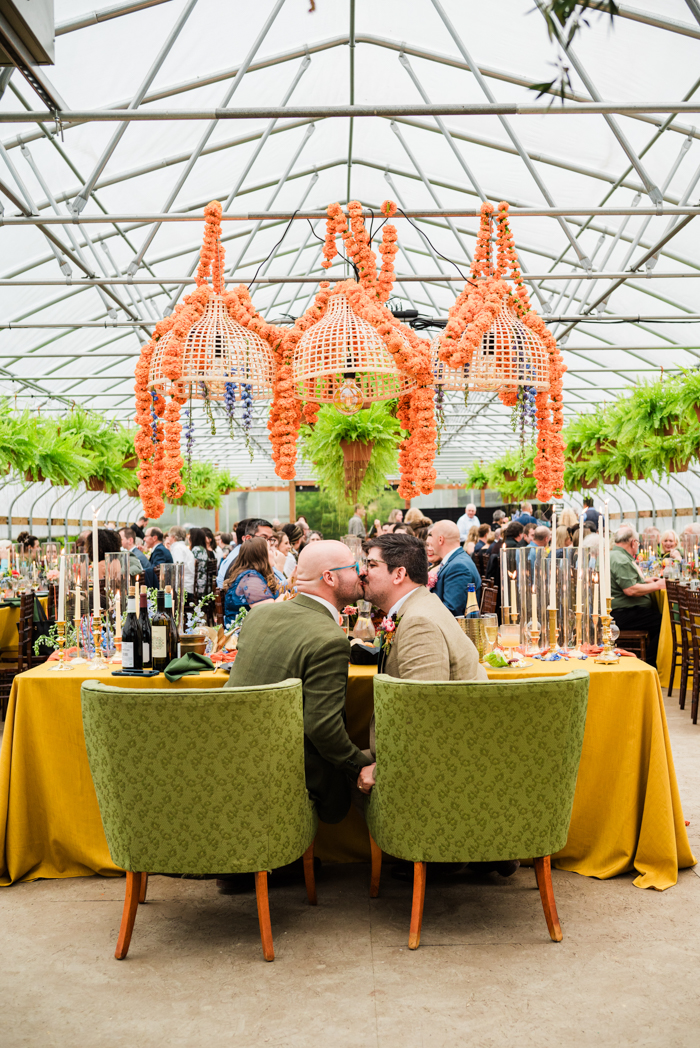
472,316
366,297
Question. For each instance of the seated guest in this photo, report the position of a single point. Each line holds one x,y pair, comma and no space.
296,536
387,527
428,644
159,555
457,569
528,532
212,544
669,548
139,526
302,638
403,529
482,537
314,536
540,540
250,580
107,542
525,516
204,569
182,554
651,536
633,607
138,561
470,541
246,529
514,535
563,540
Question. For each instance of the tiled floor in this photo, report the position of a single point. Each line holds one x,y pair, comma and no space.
486,974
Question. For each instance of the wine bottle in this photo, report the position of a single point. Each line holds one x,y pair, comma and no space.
132,658
472,611
159,635
174,637
145,624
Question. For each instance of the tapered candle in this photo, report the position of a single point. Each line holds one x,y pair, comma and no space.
95,566
534,609
78,609
595,592
513,597
608,593
579,567
553,564
601,564
62,590
118,616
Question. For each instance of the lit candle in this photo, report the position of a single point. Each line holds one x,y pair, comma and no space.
512,575
118,616
95,566
62,590
579,567
78,609
534,609
553,564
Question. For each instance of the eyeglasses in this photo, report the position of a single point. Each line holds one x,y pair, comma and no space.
375,563
356,566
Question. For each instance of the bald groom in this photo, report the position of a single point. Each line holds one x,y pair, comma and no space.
302,638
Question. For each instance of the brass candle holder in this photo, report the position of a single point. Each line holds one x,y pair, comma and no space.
576,652
594,619
505,614
535,638
607,656
553,646
78,660
97,662
61,641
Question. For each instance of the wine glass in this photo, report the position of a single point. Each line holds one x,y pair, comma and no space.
490,624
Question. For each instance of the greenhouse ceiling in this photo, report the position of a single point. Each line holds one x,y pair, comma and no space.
276,110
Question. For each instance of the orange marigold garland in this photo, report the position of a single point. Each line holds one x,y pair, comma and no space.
473,314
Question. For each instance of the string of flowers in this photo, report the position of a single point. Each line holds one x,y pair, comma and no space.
247,420
473,315
230,404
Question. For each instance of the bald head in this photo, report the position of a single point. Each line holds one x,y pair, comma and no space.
442,538
317,573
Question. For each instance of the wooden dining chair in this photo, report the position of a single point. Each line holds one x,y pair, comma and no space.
692,600
687,662
673,596
489,599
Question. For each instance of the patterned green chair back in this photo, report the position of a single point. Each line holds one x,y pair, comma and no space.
478,770
208,781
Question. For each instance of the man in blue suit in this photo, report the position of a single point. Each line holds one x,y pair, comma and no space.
160,554
457,569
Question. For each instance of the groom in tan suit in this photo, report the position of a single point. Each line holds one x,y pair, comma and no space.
427,642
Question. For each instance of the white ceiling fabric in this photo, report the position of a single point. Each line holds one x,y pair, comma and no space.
576,157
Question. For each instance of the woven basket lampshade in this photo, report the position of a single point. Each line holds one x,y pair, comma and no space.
452,380
510,356
341,347
217,350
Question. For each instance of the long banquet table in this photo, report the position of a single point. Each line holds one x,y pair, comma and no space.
627,813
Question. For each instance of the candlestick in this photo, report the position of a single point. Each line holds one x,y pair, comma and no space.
601,562
534,639
118,616
535,623
608,592
553,646
608,656
579,567
513,598
95,565
97,662
61,610
61,641
553,565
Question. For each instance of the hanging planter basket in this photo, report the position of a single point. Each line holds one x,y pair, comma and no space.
678,465
356,456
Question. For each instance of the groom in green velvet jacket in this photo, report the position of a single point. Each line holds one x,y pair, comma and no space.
302,638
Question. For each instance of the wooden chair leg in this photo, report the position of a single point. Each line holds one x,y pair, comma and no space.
131,901
264,915
376,867
144,887
309,878
674,657
419,871
684,682
543,873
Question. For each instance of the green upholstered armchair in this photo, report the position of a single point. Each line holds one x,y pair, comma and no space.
475,771
200,782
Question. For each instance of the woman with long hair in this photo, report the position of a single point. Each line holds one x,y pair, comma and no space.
250,580
204,571
471,540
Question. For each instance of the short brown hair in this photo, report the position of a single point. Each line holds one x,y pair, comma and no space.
484,530
403,551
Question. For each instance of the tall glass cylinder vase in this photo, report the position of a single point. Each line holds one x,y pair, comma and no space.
116,592
565,597
515,589
592,611
78,606
174,575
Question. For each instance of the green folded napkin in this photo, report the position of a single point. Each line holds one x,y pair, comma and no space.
187,666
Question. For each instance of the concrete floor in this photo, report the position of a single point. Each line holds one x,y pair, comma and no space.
486,974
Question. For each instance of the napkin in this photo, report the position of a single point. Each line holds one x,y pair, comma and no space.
187,665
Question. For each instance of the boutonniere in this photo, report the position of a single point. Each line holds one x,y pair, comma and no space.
432,578
387,632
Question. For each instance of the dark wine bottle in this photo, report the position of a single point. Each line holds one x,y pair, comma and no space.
160,630
174,637
132,658
145,624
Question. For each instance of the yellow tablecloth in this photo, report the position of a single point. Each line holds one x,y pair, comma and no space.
663,656
627,813
9,619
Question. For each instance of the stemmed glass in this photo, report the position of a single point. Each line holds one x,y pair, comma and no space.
490,624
